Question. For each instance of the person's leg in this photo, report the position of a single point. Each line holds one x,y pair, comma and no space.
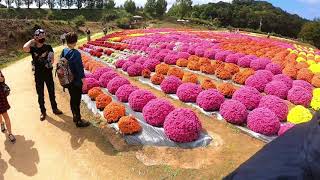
51,90
40,88
7,121
77,101
72,100
75,93
3,128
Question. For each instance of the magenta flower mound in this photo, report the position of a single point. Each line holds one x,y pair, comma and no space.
234,112
151,64
304,84
221,55
274,68
284,79
90,83
264,121
156,111
264,74
244,61
120,63
248,96
182,126
98,73
160,56
88,75
188,92
139,98
276,105
299,96
256,82
209,53
277,88
199,51
133,58
135,69
171,59
124,92
233,58
115,83
170,84
126,65
191,50
259,63
284,128
183,55
141,60
210,100
105,78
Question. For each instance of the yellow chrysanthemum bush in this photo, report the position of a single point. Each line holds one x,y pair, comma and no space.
299,114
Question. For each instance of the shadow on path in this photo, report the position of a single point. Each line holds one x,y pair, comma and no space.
23,156
3,168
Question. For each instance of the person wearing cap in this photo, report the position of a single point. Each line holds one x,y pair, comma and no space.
42,58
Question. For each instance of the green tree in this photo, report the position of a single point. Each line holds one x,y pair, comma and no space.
18,3
28,3
90,4
68,3
99,4
40,3
130,6
161,7
311,32
184,7
109,4
150,7
79,3
51,3
9,3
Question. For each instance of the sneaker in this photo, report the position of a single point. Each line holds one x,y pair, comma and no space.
57,112
82,123
12,138
43,116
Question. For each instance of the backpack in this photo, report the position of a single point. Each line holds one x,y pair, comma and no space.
63,71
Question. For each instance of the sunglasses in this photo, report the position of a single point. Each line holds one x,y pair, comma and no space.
39,32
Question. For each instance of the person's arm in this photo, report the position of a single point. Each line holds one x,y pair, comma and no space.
27,46
1,77
51,51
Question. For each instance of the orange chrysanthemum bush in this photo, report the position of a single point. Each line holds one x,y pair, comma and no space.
305,74
182,62
222,73
194,65
113,112
204,61
174,71
102,101
316,81
193,58
157,78
301,65
226,89
129,125
242,76
217,64
190,77
146,73
162,68
94,93
232,68
208,69
208,84
290,71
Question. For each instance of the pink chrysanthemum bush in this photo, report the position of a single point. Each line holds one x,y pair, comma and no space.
303,84
98,73
116,83
156,110
151,64
210,100
106,78
263,121
234,112
249,96
277,88
139,98
124,92
126,65
274,68
257,82
259,63
275,104
135,69
171,59
182,126
120,63
264,74
89,84
245,61
170,84
284,128
284,79
188,92
233,58
299,96
89,75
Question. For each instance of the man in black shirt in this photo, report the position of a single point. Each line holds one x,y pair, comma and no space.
42,58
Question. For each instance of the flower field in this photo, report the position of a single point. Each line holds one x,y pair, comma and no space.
260,85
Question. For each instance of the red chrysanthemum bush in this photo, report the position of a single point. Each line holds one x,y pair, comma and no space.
146,73
182,62
162,68
102,101
208,84
113,112
157,78
305,74
190,77
194,65
227,89
129,125
94,93
174,71
208,69
242,76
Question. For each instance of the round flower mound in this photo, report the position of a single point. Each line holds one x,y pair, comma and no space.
141,60
290,71
233,58
151,64
299,114
208,69
94,93
174,71
277,88
316,80
210,100
182,126
232,68
120,63
248,96
89,75
242,76
284,79
90,83
264,121
194,65
208,84
126,65
106,78
257,82
157,79
199,52
301,65
234,112
156,111
170,84
303,84
171,59
115,83
113,112
275,104
264,74
274,68
129,125
135,70
190,77
98,73
284,128
244,61
162,68
139,98
204,61
146,73
305,74
188,92
299,96
124,92
227,89
223,73
102,101
259,63
182,62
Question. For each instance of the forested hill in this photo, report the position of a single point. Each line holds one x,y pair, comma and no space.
247,14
